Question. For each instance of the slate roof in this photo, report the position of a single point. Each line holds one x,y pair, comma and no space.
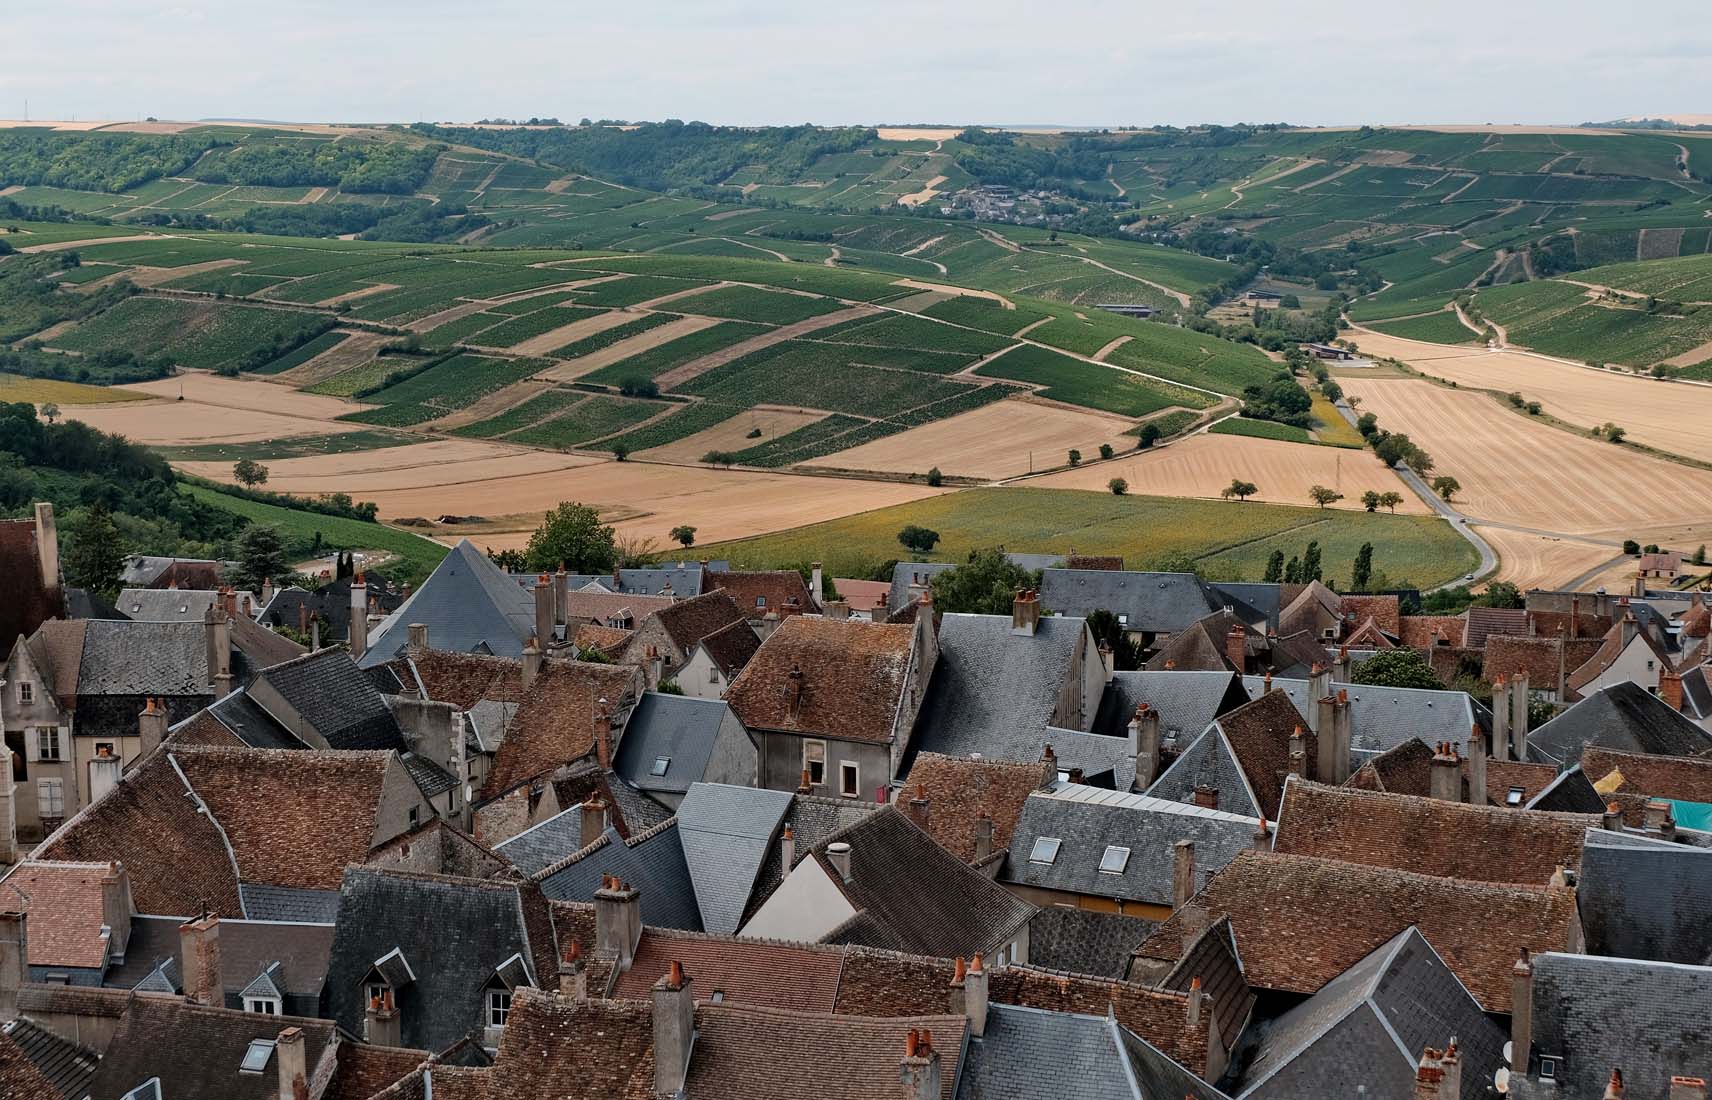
730,647
726,833
336,699
60,1066
453,932
1430,836
167,605
1596,1014
1087,821
1368,1027
1213,961
1301,922
651,862
1026,1051
960,791
779,592
1085,941
466,602
1191,649
249,724
285,903
1187,702
992,689
1245,757
911,895
854,676
1624,717
331,602
1154,603
812,819
1646,900
1384,717
548,842
678,728
682,579
908,575
66,914
155,1032
126,658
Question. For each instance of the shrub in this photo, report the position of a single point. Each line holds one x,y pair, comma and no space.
1118,486
935,478
1631,547
645,387
1105,450
1149,436
1075,457
920,539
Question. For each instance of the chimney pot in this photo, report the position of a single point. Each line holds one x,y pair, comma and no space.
838,854
975,996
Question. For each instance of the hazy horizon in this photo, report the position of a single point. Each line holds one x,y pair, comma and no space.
1083,63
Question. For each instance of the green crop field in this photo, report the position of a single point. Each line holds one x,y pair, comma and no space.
1231,540
835,377
530,325
447,386
745,303
1438,328
898,330
657,361
327,341
1561,319
631,291
985,314
595,416
202,335
1261,429
297,446
537,408
1078,382
607,337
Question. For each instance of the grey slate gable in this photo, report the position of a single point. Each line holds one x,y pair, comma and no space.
726,834
466,603
1026,1052
1148,603
1209,761
652,862
1187,702
677,728
128,658
1086,820
1382,718
991,688
335,699
1623,716
1645,899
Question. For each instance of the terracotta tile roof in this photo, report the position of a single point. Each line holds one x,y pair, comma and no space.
462,679
63,901
176,857
764,973
1509,657
1697,621
1547,624
1421,631
852,678
1406,769
1681,778
1300,922
863,595
1667,561
606,639
780,591
364,1070
1259,735
1429,836
1610,648
730,647
1094,561
24,603
1383,610
204,728
293,818
1486,621
959,791
555,720
19,1077
1502,775
689,621
601,606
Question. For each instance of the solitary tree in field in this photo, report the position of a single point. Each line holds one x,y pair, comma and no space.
1105,450
1614,433
1446,486
934,478
1323,496
1390,499
917,538
50,412
249,472
1370,500
1148,437
573,536
684,535
1118,486
1700,555
719,458
620,451
1239,489
1075,457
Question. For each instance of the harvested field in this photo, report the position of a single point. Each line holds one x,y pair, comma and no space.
170,423
155,276
904,133
69,246
925,194
994,441
733,434
356,349
614,353
1202,465
248,395
1536,561
1666,415
1520,471
958,291
578,324
420,467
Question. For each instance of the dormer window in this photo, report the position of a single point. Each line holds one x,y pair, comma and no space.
498,1007
1513,797
264,1006
1114,861
661,764
760,601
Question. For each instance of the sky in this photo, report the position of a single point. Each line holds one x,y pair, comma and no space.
758,62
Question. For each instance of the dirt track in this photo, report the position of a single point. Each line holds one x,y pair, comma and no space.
1538,561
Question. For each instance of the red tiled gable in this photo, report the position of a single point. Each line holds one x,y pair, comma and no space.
1383,610
1404,769
852,677
555,721
365,1070
1548,624
765,973
1259,735
1429,836
24,602
863,595
598,607
782,592
293,818
1537,658
687,622
605,639
1301,922
1367,635
19,1077
463,679
1681,778
1421,631
959,791
1486,621
63,901
1610,648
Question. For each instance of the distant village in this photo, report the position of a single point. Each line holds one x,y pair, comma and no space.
689,830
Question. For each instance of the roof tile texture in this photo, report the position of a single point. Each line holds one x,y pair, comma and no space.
853,675
555,722
65,912
960,791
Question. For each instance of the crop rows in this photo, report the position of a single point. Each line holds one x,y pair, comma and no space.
593,417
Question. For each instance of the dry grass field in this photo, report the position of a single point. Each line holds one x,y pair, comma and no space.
733,434
572,369
1667,415
994,441
246,395
1521,471
173,423
42,391
1202,465
441,463
1536,561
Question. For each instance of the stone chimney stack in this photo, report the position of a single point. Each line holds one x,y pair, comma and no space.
838,610
983,838
293,1064
13,950
385,1028
1670,688
151,726
1025,613
544,611
104,771
1519,717
1574,617
1325,768
1627,628
1144,745
593,820
1687,1088
199,959
957,1000
617,921
815,582
917,806
417,635
1521,1013
788,849
1477,766
919,1070
603,734
1501,719
794,693
975,996
1197,1003
219,631
838,854
47,546
1445,782
531,662
1319,687
674,1030
359,617
1236,648
573,973
561,596
315,633
1334,741
1340,670
1298,753
1182,873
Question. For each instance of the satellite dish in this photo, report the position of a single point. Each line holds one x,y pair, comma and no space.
1501,1080
1506,1052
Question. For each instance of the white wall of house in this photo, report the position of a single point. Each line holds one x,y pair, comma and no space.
701,678
805,907
1636,664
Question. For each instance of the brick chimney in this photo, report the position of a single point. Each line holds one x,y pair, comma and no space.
1439,1074
919,1070
1207,797
13,949
1319,687
975,996
47,547
593,820
1182,873
359,617
544,611
674,1030
1263,835
788,849
617,921
199,958
384,1027
573,973
1025,613
983,838
1334,733
561,595
1144,745
293,1062
815,582
916,807
417,636
1670,688
1501,719
957,1001
1614,1087
1196,1005
1519,717
1477,766
219,645
602,721
1687,1088
1236,648
1521,1013
151,725
1048,766
1445,781
838,854
531,662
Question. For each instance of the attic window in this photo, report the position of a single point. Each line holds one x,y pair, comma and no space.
760,601
1548,1069
1123,619
1513,797
148,1090
1045,850
256,1058
1114,861
661,763
719,996
265,1006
